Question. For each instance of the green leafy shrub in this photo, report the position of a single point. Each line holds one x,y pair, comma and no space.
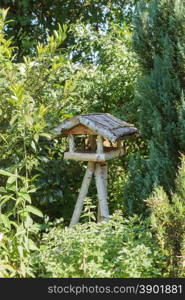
23,125
17,227
168,221
118,248
33,20
105,78
35,96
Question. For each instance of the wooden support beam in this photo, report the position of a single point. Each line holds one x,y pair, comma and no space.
83,192
119,144
99,144
99,157
71,143
79,130
92,142
101,185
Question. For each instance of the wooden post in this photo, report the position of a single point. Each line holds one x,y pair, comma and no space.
71,143
119,144
101,185
92,142
83,192
99,144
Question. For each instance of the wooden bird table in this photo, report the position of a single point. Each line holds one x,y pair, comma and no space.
97,128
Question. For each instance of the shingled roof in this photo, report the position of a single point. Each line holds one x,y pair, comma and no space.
103,124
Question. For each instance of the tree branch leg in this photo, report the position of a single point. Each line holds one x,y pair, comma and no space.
83,192
101,185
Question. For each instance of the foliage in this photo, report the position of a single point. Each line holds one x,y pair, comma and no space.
24,123
105,77
104,80
16,226
118,248
61,85
34,97
92,68
168,220
34,20
159,32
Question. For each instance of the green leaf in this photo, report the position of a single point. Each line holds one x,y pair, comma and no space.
34,210
13,119
14,224
11,179
32,245
20,230
5,173
36,137
2,189
20,250
25,196
28,222
3,138
5,221
33,146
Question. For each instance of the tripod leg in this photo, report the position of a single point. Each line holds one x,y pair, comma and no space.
83,192
101,185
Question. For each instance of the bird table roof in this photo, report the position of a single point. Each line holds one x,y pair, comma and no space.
102,124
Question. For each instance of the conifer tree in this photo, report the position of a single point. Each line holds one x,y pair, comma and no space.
159,41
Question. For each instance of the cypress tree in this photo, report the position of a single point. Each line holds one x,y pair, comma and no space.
159,41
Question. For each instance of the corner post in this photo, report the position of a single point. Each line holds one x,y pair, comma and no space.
119,144
99,144
71,143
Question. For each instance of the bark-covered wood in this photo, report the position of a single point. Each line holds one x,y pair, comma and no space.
99,144
71,143
102,124
79,130
101,185
98,129
92,143
119,144
83,192
98,157
67,124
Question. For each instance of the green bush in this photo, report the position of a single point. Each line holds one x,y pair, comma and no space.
168,221
118,248
24,124
105,78
35,96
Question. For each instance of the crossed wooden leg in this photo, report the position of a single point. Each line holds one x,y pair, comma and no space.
101,185
100,172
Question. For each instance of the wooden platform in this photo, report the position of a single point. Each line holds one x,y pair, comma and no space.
96,157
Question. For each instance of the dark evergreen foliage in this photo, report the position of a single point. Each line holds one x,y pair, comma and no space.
159,42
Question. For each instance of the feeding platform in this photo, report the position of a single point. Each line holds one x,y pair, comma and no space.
101,137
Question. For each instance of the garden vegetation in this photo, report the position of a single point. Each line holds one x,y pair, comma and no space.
126,58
